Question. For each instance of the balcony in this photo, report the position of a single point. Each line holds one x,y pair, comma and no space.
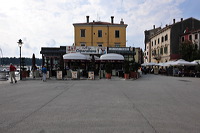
157,57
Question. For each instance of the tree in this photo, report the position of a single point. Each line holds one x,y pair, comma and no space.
126,67
189,51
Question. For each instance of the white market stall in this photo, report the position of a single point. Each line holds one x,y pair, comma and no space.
73,63
182,62
117,63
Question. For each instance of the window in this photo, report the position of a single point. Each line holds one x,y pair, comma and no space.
161,51
183,39
117,34
166,37
190,37
162,39
99,33
100,44
154,52
165,50
117,45
152,43
82,32
155,42
158,40
82,44
196,36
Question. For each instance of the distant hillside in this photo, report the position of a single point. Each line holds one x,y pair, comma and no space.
15,61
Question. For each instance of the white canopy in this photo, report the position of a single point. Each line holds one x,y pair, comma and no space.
194,62
74,56
149,64
169,63
112,56
182,62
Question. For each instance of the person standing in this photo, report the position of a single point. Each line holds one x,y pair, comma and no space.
12,73
44,73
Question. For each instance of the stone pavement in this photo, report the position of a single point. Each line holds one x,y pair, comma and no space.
151,104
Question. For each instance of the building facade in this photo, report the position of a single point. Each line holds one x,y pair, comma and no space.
163,45
101,34
193,36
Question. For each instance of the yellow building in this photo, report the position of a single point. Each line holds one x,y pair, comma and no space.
102,34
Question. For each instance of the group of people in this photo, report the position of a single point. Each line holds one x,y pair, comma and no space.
13,77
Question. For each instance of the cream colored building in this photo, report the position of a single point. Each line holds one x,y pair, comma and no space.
160,46
163,44
102,34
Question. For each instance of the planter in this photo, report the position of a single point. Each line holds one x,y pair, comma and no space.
91,75
134,75
24,74
108,75
126,76
59,75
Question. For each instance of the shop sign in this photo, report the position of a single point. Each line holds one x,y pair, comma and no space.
119,49
86,49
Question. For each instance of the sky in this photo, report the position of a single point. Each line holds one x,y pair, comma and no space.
49,23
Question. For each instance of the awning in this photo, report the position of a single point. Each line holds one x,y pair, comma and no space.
74,56
182,62
112,57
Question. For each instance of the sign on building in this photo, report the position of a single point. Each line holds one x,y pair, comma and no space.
120,50
86,49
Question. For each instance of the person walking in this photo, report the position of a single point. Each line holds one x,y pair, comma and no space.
44,73
12,73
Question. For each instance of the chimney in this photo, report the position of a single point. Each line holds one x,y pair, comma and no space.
181,19
112,19
174,21
87,19
121,22
154,27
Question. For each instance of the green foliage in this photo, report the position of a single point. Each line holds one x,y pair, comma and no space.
126,67
15,61
197,68
92,66
108,67
134,66
189,51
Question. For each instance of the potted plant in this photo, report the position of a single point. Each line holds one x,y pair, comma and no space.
108,69
91,70
134,68
126,69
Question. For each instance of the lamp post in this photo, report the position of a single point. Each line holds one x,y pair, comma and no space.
20,45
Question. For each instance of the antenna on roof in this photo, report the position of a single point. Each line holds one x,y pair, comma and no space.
98,18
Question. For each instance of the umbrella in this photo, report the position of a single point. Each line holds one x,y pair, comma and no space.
194,62
33,62
148,64
182,62
144,64
169,63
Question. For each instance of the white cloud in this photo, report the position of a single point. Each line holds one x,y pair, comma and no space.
49,22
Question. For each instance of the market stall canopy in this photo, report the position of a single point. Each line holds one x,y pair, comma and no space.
112,56
149,64
194,62
74,56
169,63
182,62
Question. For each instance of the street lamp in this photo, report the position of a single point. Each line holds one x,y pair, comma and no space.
20,45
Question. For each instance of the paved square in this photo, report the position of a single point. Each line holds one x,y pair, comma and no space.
151,104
